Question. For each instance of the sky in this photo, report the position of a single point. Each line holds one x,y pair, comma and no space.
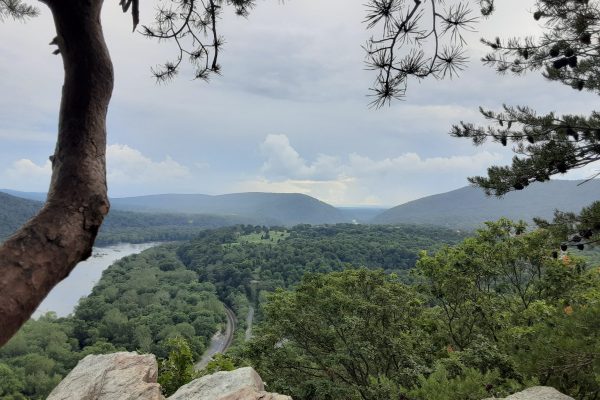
290,112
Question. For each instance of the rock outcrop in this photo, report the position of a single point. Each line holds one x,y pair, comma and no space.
131,376
123,376
240,384
537,393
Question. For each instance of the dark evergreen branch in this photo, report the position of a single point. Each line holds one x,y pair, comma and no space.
416,40
193,26
549,145
16,10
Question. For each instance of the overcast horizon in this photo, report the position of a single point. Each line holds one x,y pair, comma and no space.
289,114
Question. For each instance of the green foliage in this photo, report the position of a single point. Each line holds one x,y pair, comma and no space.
229,259
119,226
487,317
178,368
469,384
37,358
220,362
338,335
545,144
496,279
496,308
10,383
138,305
562,349
576,231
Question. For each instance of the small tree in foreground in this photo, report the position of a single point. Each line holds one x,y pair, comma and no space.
178,368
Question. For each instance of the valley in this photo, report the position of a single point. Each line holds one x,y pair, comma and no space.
217,288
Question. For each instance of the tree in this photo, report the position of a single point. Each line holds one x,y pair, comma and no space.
504,291
496,280
49,246
343,335
178,368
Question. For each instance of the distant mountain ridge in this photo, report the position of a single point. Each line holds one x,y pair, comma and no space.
465,208
272,208
14,212
121,226
259,208
469,207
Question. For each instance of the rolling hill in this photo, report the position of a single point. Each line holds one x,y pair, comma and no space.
286,209
469,207
14,211
121,226
270,208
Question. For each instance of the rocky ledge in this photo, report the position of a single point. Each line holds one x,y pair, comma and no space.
131,376
537,393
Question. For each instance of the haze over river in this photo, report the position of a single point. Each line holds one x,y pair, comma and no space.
63,298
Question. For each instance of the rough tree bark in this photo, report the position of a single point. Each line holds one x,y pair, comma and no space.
45,250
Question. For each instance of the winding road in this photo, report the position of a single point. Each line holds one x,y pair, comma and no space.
220,342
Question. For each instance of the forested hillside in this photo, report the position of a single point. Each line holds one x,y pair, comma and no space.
250,208
478,316
14,211
496,313
121,226
266,208
255,259
469,207
178,290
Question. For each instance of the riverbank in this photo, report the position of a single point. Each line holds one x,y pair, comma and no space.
64,297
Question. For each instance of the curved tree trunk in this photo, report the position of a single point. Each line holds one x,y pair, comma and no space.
45,250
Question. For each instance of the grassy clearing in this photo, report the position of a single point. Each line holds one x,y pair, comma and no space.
270,237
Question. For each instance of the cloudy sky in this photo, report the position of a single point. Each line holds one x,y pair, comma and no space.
289,114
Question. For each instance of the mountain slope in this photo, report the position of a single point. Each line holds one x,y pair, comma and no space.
269,208
14,212
122,226
253,208
469,207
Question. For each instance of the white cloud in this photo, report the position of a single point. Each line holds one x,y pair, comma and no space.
413,163
127,170
283,161
360,180
127,165
24,174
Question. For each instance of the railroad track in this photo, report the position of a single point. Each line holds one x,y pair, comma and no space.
220,342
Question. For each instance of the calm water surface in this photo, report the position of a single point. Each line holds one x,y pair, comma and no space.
63,298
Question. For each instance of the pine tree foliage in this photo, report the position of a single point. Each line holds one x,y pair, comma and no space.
417,39
545,145
16,9
549,144
580,231
192,26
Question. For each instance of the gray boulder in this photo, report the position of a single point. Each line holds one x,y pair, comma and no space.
538,393
240,384
123,376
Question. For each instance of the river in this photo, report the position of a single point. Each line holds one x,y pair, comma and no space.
63,298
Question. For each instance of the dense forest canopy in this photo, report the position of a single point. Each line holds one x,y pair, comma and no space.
145,300
484,318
